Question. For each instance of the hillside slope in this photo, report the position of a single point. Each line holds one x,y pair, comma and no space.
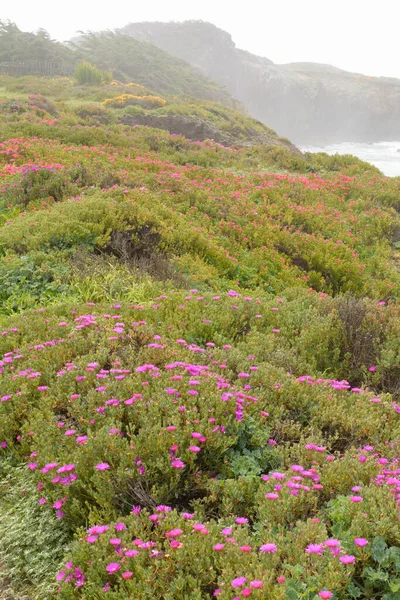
199,358
126,58
132,104
309,103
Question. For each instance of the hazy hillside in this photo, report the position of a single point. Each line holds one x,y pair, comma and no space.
126,58
309,103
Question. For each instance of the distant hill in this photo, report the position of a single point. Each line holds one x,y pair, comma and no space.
145,63
128,59
309,103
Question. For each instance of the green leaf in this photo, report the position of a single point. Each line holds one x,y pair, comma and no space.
394,554
292,594
395,585
395,596
379,549
374,576
353,590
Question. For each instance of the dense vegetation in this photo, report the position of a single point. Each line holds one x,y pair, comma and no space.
200,357
127,59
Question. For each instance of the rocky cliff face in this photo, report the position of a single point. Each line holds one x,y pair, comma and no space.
196,128
309,103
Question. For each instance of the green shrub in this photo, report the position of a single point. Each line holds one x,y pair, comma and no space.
32,542
192,334
87,74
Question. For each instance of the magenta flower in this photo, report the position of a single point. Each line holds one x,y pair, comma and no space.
256,584
218,547
314,549
173,533
325,594
102,466
127,575
113,567
98,529
332,543
361,542
91,539
115,542
268,548
238,582
347,559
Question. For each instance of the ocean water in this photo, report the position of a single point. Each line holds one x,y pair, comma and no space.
384,155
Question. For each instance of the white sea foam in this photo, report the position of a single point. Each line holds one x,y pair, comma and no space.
384,155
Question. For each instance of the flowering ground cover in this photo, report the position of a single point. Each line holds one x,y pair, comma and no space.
199,357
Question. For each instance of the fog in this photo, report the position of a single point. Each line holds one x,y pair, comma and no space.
355,35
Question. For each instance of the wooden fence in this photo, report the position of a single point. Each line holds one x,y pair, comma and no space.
44,68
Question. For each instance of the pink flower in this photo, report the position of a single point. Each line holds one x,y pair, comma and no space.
113,567
356,498
102,466
272,496
268,548
238,582
127,574
332,543
218,547
173,533
360,542
91,539
281,579
325,594
256,584
314,549
177,464
115,542
194,449
347,559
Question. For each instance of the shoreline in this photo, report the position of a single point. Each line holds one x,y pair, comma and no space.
384,155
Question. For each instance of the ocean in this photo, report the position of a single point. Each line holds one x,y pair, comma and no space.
384,155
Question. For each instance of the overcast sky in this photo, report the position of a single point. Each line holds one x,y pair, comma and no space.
357,35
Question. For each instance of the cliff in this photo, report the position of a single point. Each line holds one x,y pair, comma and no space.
309,103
